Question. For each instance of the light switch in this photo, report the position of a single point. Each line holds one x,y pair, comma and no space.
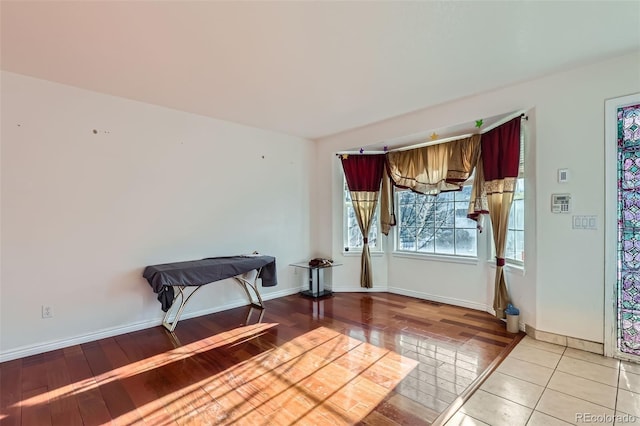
585,222
577,222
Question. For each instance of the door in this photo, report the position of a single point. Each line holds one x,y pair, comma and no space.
622,228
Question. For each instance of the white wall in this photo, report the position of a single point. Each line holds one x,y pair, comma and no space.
84,213
562,288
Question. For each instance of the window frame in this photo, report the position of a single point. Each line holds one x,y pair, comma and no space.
512,219
509,261
375,244
451,257
521,196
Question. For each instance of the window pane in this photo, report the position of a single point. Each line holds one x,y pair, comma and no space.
510,248
432,224
445,215
515,234
407,213
425,211
352,223
445,241
461,220
445,196
353,236
519,211
512,217
406,197
425,237
373,232
407,239
519,250
466,242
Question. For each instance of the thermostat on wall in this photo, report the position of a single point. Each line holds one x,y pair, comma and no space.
560,203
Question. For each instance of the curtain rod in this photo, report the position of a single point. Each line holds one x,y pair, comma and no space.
498,123
508,118
364,152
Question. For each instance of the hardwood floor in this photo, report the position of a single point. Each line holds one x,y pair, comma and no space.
354,358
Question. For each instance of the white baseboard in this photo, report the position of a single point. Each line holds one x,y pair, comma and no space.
417,295
39,348
448,300
351,289
129,328
562,340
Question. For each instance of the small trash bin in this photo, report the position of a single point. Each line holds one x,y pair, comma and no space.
513,325
513,319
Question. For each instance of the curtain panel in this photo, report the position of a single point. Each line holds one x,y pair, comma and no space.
434,168
364,175
387,204
499,162
428,170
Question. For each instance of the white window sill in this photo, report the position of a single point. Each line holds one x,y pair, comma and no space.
437,257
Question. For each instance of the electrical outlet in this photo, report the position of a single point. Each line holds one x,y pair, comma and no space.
47,311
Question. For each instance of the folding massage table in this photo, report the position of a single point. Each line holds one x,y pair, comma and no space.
244,269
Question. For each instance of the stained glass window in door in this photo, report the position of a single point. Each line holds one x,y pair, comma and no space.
628,287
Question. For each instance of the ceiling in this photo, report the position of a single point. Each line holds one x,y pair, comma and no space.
309,69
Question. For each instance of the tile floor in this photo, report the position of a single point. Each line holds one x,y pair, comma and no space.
541,383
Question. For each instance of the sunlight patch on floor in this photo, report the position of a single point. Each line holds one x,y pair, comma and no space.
182,352
321,377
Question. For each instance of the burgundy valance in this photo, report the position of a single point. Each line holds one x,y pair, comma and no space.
363,172
501,151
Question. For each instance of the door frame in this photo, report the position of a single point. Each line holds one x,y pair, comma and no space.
611,225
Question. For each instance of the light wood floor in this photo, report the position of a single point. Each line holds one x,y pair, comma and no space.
354,358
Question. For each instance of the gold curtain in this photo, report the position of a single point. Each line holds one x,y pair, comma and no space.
364,205
464,157
499,199
387,205
496,173
478,203
422,170
494,198
427,170
363,174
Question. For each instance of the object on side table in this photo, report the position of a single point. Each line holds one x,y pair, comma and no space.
319,262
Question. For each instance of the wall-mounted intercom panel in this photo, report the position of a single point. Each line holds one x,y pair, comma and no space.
560,203
563,175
